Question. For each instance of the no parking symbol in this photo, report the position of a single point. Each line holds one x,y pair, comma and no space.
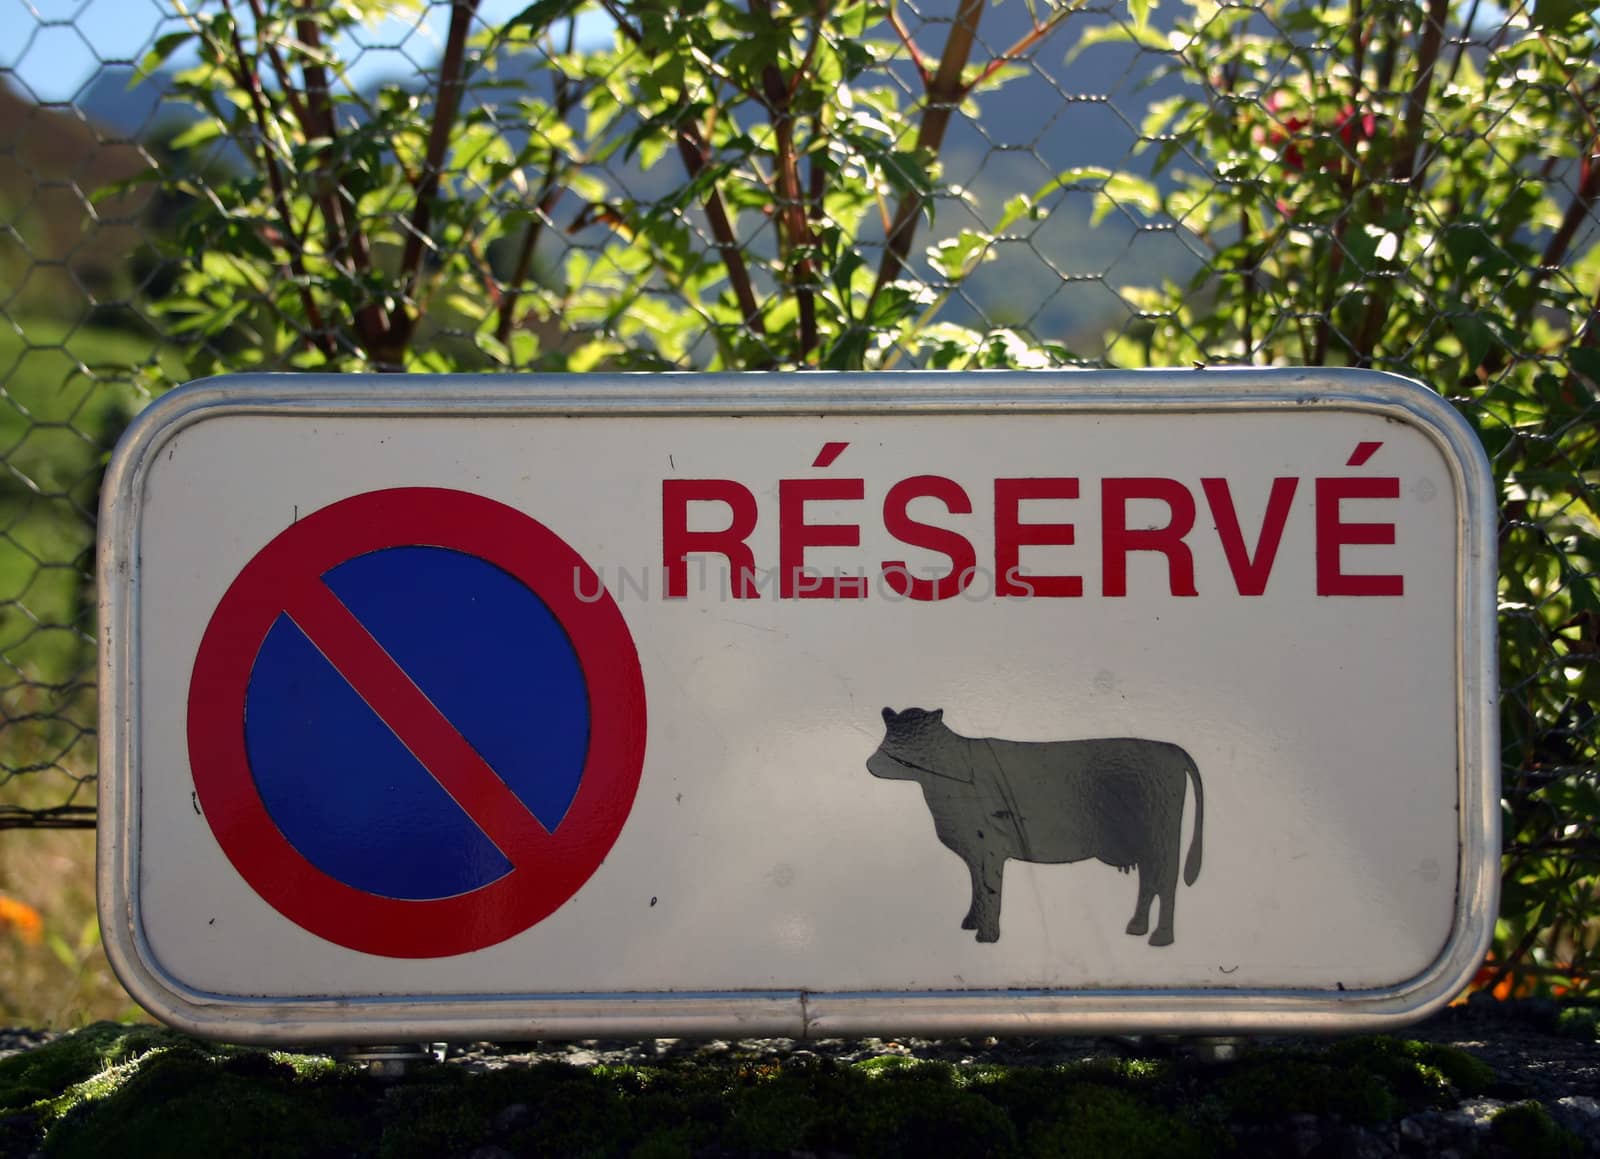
413,728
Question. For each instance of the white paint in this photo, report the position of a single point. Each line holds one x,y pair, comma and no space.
1327,730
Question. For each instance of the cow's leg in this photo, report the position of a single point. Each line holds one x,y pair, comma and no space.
975,868
986,886
1166,888
1139,924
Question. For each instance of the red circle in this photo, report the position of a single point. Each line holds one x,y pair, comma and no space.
545,874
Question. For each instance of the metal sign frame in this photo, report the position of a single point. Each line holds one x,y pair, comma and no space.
800,1014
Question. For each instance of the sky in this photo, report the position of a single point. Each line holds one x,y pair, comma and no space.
51,48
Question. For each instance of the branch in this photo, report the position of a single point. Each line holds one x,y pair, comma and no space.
1466,38
795,224
912,50
566,97
1578,210
1591,327
1572,81
1358,47
692,150
1405,170
1024,43
1247,294
245,77
1555,251
549,194
811,49
346,238
1512,962
277,62
620,18
944,93
445,109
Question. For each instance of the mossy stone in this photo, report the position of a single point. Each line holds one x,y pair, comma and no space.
180,1101
1420,1073
1579,1022
47,1071
144,1091
1101,1120
1528,1131
1268,1089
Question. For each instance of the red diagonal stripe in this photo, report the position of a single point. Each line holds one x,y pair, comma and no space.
829,452
1363,452
415,720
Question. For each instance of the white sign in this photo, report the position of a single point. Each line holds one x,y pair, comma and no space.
803,705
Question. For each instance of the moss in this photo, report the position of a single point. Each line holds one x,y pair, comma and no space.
185,1100
47,1071
667,1143
568,1112
1469,1075
305,1065
434,1118
1579,1022
887,1064
782,1111
1529,1132
1364,1080
1419,1073
19,1133
1098,1120
142,1091
1128,1073
1144,1070
921,1111
1269,1088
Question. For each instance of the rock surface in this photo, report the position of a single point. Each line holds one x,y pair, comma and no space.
1493,1081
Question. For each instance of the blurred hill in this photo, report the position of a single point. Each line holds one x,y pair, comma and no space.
62,253
1055,278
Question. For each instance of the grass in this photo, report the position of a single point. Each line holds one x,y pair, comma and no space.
65,394
56,977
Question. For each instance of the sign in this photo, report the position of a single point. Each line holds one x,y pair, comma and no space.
408,733
1146,702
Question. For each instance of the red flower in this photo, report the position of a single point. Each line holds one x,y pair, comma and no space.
1351,127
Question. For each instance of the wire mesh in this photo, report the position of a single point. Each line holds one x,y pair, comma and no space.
210,185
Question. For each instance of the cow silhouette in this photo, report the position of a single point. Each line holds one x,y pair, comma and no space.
1118,799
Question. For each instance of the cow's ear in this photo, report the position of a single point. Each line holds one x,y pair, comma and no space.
937,715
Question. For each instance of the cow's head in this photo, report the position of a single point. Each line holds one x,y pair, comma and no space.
917,747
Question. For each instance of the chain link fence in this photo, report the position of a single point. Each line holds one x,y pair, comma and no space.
196,186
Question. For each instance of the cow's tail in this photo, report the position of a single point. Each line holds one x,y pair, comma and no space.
1191,864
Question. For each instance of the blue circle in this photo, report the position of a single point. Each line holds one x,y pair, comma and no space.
339,783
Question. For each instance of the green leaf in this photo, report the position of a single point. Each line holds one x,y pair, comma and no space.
852,20
1465,241
1140,10
197,134
1117,32
1558,15
1476,337
542,14
1586,361
958,256
159,53
1015,209
1118,189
